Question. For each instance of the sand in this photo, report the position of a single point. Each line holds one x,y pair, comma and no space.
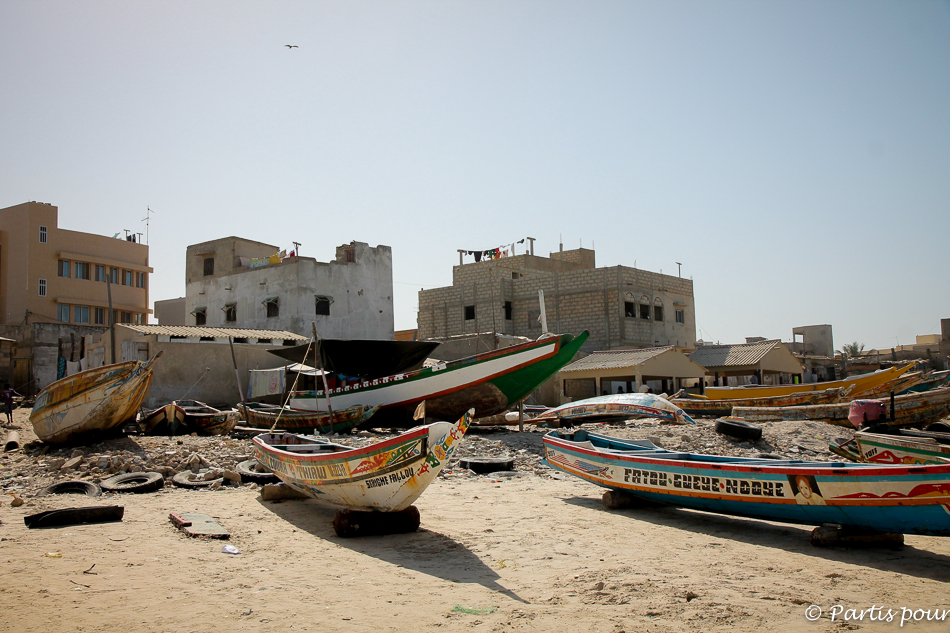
527,551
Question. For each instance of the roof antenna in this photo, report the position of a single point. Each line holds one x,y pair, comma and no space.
148,213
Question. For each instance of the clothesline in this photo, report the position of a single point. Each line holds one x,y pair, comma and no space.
496,253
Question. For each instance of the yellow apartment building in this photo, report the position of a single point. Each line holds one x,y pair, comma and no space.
53,275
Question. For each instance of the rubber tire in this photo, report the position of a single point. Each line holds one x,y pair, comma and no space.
182,479
134,482
739,429
74,486
939,427
248,472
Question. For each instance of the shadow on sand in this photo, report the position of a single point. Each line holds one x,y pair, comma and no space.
910,561
423,551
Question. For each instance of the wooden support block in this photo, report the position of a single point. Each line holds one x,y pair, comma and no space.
349,523
618,500
281,491
832,535
198,524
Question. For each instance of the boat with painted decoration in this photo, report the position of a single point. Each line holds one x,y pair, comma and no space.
204,419
719,408
91,402
268,416
901,499
618,405
489,382
860,383
882,444
387,476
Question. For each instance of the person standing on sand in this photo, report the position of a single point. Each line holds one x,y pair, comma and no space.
8,395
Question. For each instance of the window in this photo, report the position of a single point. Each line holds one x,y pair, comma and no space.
82,270
273,306
209,266
644,311
230,312
629,309
139,319
126,317
62,313
100,273
323,305
115,275
139,280
507,311
81,314
64,268
350,254
42,287
42,235
200,316
469,313
127,278
657,313
681,316
99,316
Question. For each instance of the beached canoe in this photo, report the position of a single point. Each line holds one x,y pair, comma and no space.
859,383
883,445
706,407
911,409
899,385
91,402
895,499
269,416
168,419
204,419
387,476
618,405
489,382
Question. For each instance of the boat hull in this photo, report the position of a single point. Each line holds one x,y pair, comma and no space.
857,383
316,421
617,405
386,477
489,382
719,408
911,500
877,448
91,402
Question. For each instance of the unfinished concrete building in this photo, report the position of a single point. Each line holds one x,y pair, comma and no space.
622,307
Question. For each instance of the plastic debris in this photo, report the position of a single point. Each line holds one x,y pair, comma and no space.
230,549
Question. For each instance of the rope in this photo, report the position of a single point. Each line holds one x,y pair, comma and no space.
207,369
292,390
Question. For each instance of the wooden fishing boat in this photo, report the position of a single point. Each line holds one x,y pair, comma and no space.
618,405
204,419
912,409
92,401
387,476
857,383
489,382
896,446
901,499
936,380
898,386
165,420
265,416
718,408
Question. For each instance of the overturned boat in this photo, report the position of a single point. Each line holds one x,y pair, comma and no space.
618,405
91,402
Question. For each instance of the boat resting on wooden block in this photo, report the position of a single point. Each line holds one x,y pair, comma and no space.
266,416
489,382
891,499
387,476
912,409
719,408
618,405
858,384
91,402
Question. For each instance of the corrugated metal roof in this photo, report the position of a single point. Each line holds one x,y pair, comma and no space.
615,359
740,354
199,331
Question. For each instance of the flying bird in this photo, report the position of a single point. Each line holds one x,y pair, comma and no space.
291,46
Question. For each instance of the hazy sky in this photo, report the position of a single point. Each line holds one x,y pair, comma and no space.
794,156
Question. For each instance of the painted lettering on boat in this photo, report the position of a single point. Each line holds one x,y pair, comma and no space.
391,478
743,487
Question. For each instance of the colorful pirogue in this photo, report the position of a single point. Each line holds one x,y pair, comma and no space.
264,416
901,499
628,405
387,476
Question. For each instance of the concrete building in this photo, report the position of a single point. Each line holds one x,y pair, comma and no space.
236,282
662,369
816,340
49,274
622,307
171,311
770,363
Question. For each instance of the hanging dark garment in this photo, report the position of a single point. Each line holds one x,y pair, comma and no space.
478,256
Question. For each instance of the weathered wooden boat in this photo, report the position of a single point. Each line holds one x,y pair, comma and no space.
266,416
887,445
618,405
901,499
936,380
92,401
899,385
489,382
912,409
386,477
164,420
204,419
859,383
718,408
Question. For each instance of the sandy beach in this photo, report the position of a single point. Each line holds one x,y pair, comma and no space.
529,550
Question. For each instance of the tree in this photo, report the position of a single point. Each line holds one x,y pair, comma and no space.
852,349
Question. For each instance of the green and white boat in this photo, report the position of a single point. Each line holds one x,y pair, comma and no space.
489,382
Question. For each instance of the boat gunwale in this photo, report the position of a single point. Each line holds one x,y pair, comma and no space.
372,449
